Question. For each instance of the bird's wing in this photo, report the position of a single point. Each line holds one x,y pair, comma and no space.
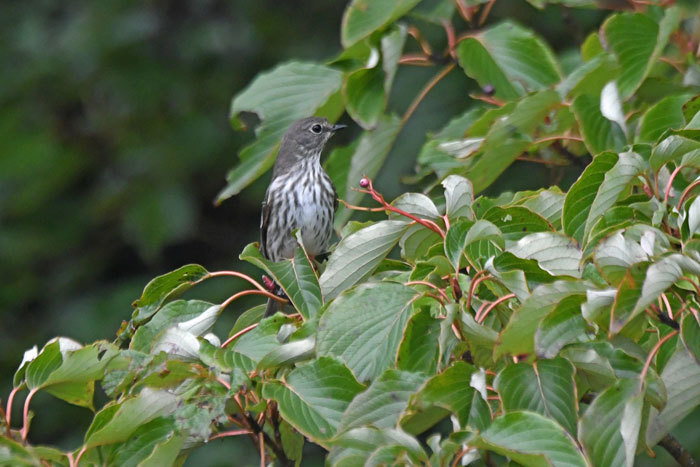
264,223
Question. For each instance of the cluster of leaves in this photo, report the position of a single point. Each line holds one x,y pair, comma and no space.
548,327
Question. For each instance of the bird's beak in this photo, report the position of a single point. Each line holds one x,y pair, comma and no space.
335,128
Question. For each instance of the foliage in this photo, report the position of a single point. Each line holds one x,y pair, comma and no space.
551,327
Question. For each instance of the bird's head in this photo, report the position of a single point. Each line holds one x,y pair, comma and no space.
305,138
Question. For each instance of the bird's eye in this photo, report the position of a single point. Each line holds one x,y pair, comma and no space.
316,128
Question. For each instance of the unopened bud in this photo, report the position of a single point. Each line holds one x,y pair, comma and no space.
268,283
489,90
364,182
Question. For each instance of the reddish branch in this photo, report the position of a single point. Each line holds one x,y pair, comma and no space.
388,207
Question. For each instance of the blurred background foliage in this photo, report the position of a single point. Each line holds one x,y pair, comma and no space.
115,141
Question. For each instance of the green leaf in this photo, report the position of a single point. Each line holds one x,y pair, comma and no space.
166,287
516,222
589,77
510,58
531,440
510,136
681,376
518,336
563,325
262,340
671,148
637,41
150,441
278,97
464,233
419,350
417,204
548,204
615,255
445,393
459,196
364,95
116,422
616,180
288,353
363,17
382,404
69,371
690,335
296,276
545,387
665,114
364,326
599,133
170,315
355,446
609,428
358,254
313,397
367,159
555,253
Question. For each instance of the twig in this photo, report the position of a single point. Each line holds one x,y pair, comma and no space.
485,12
76,462
261,443
461,454
480,318
238,334
686,192
428,284
238,295
415,60
669,310
430,85
478,277
655,349
246,277
224,434
670,181
557,138
25,414
359,208
424,46
677,451
8,411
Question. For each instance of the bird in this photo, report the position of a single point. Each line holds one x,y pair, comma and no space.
300,196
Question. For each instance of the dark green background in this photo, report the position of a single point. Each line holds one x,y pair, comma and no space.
114,140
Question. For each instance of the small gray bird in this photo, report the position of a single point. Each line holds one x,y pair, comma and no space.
301,195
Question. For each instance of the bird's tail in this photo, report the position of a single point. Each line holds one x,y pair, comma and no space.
273,306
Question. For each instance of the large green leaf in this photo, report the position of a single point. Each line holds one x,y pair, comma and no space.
296,276
166,287
681,375
615,255
545,387
419,350
510,58
358,254
690,335
313,397
582,193
464,233
555,253
509,137
356,446
459,196
615,182
363,17
169,315
68,371
531,440
382,404
665,114
364,326
278,97
445,393
518,336
563,325
116,422
516,222
366,160
672,148
609,428
637,41
599,133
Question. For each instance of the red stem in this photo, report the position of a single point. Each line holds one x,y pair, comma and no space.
428,284
494,304
267,294
686,192
224,434
255,283
25,417
656,348
239,334
670,181
8,410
